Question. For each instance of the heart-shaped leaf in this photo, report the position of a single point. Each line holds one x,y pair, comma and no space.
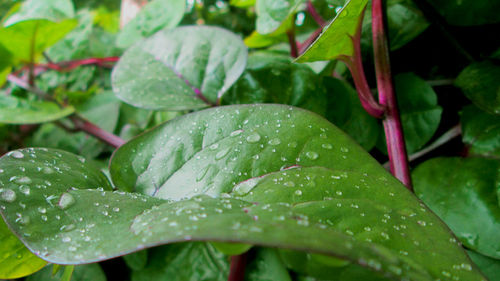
481,131
183,68
14,110
154,16
463,193
336,39
334,200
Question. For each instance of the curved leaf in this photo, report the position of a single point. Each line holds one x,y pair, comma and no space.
52,10
16,260
266,266
481,131
14,110
463,193
87,272
271,15
183,68
490,267
154,16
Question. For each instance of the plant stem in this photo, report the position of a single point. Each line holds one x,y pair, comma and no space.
237,269
303,47
25,85
293,43
392,124
314,14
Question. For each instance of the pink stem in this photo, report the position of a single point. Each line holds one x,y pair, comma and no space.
90,128
293,43
237,269
315,15
70,65
303,47
392,124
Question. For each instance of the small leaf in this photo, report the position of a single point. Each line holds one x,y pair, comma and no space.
267,265
481,131
479,82
17,261
462,192
336,39
490,267
190,59
271,15
86,272
14,110
155,15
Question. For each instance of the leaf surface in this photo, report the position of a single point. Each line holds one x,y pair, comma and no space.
481,131
14,110
180,69
271,15
52,10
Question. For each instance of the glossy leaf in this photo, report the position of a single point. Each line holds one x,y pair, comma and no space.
479,82
420,112
166,71
468,12
184,261
155,15
490,267
481,131
14,110
345,111
267,265
273,14
86,272
52,10
336,39
273,78
463,193
16,261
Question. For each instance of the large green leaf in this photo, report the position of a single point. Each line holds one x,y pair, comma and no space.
336,40
468,12
168,70
225,173
273,14
267,265
16,261
420,112
480,83
52,10
184,261
490,267
14,110
154,16
463,193
273,78
481,131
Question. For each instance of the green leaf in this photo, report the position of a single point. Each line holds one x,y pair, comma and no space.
209,59
468,12
273,78
490,267
481,131
271,15
267,265
420,112
155,15
463,193
17,261
5,64
333,199
136,261
86,272
479,82
242,3
336,39
184,261
14,110
19,38
52,10
345,110
257,40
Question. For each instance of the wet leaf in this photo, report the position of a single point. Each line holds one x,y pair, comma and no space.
16,261
271,15
462,191
166,71
481,131
14,110
479,82
336,39
52,10
155,15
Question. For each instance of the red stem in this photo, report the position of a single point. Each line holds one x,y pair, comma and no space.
303,47
237,269
392,124
294,52
70,65
315,15
97,132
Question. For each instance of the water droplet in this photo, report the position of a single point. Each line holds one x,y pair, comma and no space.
466,266
298,192
23,180
42,210
292,144
344,149
245,186
312,155
7,195
253,137
221,154
422,223
47,170
327,146
289,184
274,141
236,133
24,189
66,239
17,154
116,209
214,146
338,192
65,201
202,173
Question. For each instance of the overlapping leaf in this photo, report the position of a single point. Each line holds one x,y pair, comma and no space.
14,110
481,131
271,15
178,69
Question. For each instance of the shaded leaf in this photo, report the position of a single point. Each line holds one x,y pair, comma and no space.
490,267
16,261
462,191
14,110
136,261
267,266
468,12
86,272
479,82
155,15
271,15
481,131
163,71
336,39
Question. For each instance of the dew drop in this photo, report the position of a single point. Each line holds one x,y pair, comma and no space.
24,189
17,154
292,144
274,141
116,209
202,174
66,239
236,133
42,210
23,180
327,146
289,184
253,137
344,149
214,146
298,192
245,187
65,201
222,153
47,170
7,195
312,155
